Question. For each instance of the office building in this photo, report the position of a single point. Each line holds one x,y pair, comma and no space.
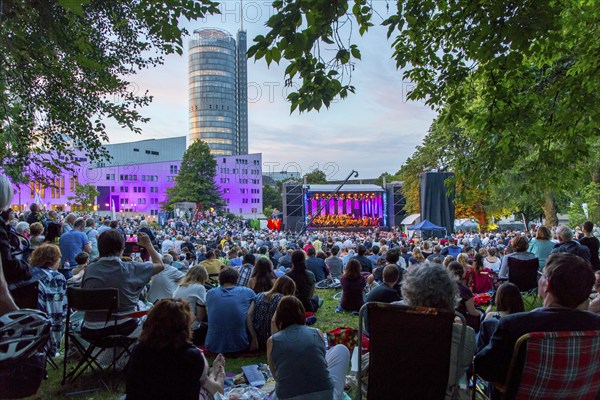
136,178
218,91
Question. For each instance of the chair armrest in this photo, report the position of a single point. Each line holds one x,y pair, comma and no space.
130,314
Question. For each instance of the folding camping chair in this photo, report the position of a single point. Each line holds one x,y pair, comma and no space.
410,349
97,300
26,296
553,365
524,274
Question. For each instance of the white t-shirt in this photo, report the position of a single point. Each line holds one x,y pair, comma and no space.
163,285
166,246
195,295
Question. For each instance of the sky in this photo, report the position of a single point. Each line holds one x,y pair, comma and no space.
372,131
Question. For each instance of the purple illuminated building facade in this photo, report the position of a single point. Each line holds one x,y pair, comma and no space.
136,179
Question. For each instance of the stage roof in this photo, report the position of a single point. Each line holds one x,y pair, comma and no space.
351,188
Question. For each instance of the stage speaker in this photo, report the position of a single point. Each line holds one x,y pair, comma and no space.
293,205
437,202
395,202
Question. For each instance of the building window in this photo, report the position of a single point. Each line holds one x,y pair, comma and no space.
136,150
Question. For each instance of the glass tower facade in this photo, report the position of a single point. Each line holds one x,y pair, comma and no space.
218,91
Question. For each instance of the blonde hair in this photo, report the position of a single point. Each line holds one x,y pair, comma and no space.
463,259
195,275
418,255
448,260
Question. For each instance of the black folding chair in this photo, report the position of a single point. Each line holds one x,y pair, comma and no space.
26,296
410,351
96,300
524,274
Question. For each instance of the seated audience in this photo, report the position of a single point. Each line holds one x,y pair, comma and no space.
353,285
491,261
163,284
508,300
392,257
316,265
129,277
417,258
37,235
263,308
478,277
466,306
387,291
263,277
541,245
520,246
301,366
334,263
588,241
246,269
212,264
567,244
191,289
52,289
227,307
82,260
565,284
165,364
305,282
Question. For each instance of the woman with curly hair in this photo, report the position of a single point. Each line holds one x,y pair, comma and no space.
52,288
165,364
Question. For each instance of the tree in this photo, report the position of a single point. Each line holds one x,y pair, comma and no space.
196,179
316,177
271,197
84,197
66,68
520,79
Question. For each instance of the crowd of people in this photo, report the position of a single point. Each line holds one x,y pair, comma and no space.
231,289
344,221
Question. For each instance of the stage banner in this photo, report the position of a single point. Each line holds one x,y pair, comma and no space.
437,202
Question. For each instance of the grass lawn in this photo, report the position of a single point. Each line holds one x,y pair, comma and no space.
327,319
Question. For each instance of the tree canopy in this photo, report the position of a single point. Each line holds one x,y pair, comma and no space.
316,177
65,71
84,197
196,179
271,197
515,84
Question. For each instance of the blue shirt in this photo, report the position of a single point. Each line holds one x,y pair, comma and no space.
227,309
71,244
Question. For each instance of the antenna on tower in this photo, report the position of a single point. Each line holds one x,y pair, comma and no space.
241,15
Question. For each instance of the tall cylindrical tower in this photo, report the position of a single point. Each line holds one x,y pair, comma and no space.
212,90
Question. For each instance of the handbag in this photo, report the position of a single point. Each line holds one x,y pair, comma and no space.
348,337
199,334
22,378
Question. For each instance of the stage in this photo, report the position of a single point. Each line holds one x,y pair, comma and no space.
354,207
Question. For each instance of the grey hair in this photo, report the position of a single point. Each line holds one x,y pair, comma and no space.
6,192
565,233
167,259
429,285
143,223
22,227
